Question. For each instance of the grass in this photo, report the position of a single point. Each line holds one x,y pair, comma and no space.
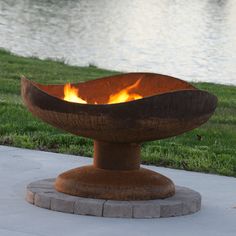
214,153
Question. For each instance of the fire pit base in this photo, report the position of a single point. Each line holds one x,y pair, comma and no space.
43,194
92,182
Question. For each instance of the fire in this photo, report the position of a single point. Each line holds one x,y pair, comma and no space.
125,94
71,94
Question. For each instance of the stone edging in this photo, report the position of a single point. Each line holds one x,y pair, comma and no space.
42,194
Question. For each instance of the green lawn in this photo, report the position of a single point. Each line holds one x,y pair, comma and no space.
214,153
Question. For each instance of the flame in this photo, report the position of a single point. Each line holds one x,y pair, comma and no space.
124,95
71,94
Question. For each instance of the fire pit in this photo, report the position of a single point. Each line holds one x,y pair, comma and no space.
119,113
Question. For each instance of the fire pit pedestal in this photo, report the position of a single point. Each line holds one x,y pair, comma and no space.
115,175
164,107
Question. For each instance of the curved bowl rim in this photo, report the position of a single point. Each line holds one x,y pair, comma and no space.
35,84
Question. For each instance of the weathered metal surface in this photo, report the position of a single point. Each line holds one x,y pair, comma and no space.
171,107
116,156
141,184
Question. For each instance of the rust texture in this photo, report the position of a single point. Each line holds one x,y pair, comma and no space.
116,156
141,184
169,107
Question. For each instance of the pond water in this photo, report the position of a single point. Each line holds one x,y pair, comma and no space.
193,40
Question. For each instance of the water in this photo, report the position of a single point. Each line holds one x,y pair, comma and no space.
193,40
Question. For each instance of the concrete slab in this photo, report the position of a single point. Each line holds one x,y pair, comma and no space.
19,167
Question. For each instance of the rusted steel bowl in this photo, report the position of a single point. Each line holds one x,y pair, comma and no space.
169,107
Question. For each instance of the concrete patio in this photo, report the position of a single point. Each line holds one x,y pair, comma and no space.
18,167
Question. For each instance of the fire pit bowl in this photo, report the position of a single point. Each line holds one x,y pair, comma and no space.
165,107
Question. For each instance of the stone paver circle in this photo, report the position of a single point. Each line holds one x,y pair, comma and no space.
42,193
